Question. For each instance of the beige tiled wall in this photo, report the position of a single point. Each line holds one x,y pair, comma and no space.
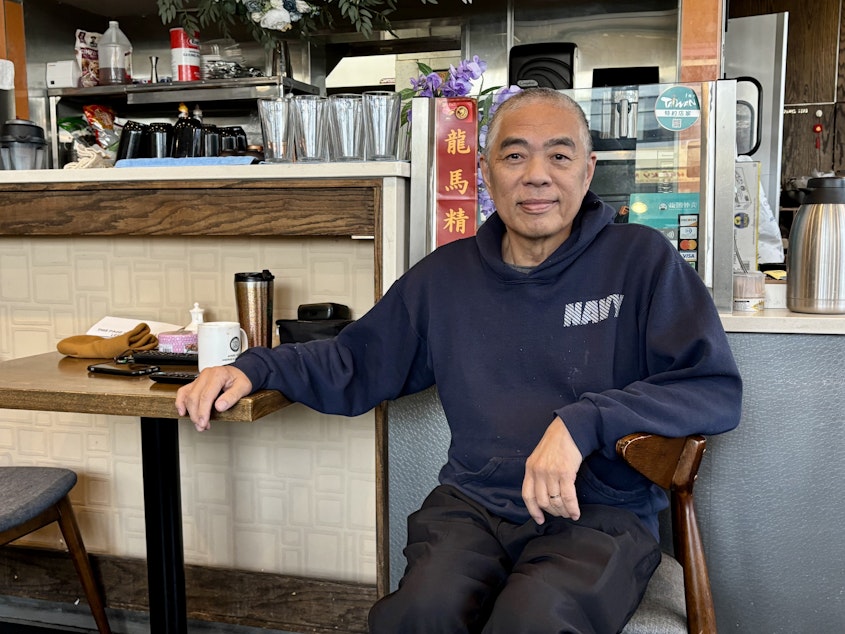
292,493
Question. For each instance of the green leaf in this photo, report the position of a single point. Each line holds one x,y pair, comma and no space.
364,16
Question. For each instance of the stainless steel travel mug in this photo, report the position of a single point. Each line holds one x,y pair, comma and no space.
254,297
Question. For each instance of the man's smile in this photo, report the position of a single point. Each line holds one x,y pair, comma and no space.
536,205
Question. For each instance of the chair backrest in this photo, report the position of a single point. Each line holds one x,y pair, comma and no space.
673,463
33,497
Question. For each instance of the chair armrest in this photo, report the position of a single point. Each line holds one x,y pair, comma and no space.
673,463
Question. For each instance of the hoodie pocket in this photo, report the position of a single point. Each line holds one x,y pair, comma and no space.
497,485
510,471
591,490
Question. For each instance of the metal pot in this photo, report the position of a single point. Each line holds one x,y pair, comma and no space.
816,255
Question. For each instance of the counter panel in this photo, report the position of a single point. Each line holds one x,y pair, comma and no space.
766,495
768,492
210,208
63,270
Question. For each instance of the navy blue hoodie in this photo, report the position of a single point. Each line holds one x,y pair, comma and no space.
614,332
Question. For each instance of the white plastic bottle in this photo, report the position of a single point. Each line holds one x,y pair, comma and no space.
197,317
115,53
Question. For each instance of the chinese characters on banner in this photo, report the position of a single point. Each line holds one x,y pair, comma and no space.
456,156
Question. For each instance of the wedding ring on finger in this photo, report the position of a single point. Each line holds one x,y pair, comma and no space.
553,497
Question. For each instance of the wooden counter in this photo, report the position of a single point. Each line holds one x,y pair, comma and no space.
783,321
362,201
367,200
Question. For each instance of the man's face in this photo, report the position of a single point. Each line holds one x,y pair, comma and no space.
537,173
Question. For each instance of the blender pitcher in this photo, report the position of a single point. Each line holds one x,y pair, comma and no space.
22,145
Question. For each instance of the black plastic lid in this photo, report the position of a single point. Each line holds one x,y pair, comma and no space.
23,131
264,276
828,189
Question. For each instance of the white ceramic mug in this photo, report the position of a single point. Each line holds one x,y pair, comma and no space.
219,343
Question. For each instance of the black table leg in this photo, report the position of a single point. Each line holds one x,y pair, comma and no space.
163,514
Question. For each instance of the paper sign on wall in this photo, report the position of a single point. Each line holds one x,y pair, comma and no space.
456,160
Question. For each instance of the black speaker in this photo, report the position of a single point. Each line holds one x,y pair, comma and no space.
549,65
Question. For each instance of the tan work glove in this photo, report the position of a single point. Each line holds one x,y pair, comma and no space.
95,347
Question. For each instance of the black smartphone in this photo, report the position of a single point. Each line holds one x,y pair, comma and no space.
123,369
178,378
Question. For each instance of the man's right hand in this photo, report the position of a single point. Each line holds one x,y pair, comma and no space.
220,386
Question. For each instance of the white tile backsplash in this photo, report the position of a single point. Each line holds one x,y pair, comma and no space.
293,493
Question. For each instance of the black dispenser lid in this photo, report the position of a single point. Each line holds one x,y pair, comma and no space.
827,189
22,131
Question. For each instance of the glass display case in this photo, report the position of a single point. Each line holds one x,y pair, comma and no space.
649,142
665,158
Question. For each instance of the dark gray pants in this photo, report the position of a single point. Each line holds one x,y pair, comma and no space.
470,571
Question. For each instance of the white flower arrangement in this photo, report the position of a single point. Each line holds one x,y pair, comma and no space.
278,15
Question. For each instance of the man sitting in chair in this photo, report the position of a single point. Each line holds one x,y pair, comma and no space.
550,335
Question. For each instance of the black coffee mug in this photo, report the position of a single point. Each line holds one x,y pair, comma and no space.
160,140
233,137
210,140
131,143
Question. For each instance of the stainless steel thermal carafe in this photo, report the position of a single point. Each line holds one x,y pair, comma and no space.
254,297
815,279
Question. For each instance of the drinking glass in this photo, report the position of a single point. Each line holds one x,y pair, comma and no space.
381,124
346,127
276,129
310,136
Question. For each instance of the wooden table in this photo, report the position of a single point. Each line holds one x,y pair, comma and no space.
55,383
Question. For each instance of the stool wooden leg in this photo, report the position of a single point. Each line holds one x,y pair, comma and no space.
73,539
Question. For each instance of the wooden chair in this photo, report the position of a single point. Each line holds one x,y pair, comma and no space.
33,497
678,598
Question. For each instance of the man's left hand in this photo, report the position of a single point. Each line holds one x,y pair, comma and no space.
550,471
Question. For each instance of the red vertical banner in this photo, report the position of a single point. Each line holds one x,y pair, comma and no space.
456,160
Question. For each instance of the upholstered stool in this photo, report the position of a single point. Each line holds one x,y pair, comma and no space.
32,497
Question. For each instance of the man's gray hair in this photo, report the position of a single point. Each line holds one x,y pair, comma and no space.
538,95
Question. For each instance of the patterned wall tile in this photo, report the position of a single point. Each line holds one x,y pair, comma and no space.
293,493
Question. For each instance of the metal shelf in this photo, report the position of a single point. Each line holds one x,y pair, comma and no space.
168,92
246,89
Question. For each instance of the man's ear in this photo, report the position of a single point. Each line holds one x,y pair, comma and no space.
591,168
485,170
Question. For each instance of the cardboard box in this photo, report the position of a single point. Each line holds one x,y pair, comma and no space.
746,213
64,74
